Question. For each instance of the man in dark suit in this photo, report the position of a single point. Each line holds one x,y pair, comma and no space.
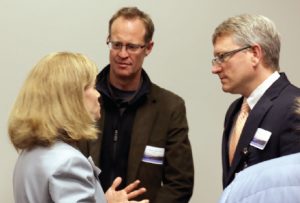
143,127
246,50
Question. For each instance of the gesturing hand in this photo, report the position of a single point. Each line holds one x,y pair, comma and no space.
123,196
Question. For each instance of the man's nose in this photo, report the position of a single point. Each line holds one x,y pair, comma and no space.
123,52
216,68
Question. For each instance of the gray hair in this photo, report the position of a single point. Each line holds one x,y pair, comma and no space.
249,29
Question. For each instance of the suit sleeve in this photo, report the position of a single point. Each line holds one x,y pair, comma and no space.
290,135
178,171
73,181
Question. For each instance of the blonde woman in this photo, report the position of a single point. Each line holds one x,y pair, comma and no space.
56,107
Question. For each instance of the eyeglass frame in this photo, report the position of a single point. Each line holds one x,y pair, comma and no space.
221,58
130,47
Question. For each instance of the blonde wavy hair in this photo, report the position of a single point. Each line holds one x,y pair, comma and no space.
50,104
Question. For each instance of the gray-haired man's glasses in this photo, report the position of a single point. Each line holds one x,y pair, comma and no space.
221,58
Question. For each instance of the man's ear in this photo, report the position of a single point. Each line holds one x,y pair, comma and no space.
257,54
149,47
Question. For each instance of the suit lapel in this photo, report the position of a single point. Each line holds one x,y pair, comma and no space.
229,122
95,145
143,125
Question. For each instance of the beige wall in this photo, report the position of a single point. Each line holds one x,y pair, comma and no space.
180,61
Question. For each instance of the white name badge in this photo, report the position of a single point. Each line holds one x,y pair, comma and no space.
261,138
154,155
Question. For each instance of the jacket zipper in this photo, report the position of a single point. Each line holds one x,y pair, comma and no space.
114,155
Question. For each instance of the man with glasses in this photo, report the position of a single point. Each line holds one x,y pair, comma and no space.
143,128
246,50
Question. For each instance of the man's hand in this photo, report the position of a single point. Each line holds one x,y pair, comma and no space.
123,196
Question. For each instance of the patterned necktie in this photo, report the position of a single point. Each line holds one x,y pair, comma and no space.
239,124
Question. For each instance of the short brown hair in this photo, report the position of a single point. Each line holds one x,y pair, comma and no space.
133,13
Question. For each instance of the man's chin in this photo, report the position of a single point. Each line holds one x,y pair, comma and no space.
226,89
125,74
122,71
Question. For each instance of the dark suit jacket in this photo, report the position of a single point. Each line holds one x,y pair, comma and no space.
274,112
159,122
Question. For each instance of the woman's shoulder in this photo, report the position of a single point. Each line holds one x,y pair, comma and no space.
65,154
49,159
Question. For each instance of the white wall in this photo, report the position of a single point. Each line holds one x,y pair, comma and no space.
180,61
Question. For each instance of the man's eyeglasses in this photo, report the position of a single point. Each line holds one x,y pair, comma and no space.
130,48
221,58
